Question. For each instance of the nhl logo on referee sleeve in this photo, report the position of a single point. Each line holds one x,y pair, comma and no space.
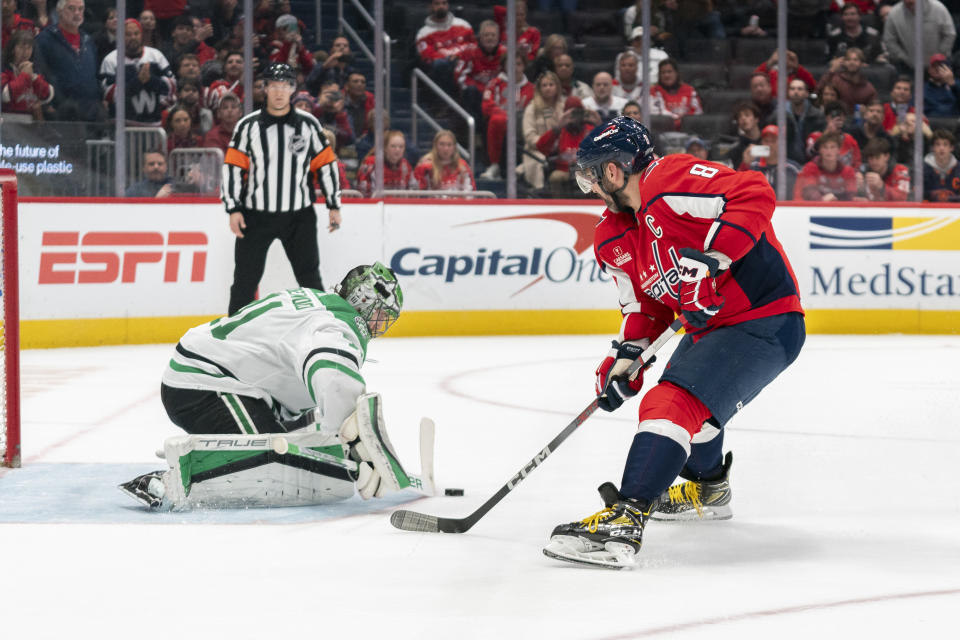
297,144
620,256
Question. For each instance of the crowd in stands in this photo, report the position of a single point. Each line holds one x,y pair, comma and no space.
850,119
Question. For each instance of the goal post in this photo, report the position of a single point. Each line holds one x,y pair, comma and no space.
10,330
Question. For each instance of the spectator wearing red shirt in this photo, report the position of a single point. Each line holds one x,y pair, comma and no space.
679,98
397,170
794,70
847,78
835,114
561,143
882,180
229,113
495,105
478,65
13,21
440,41
24,91
528,37
442,168
289,47
825,178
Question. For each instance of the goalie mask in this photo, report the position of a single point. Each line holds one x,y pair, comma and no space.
374,292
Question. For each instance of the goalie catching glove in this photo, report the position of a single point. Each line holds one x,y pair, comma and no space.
699,299
380,471
613,385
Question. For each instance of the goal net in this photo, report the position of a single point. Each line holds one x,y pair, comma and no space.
9,324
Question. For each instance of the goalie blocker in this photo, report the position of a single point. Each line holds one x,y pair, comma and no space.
299,468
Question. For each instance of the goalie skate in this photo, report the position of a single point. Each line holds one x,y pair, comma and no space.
147,489
609,539
698,499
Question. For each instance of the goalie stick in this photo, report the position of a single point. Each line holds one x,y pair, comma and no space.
414,521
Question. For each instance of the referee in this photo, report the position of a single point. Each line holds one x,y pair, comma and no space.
276,158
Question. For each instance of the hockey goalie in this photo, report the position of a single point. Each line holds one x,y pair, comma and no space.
274,404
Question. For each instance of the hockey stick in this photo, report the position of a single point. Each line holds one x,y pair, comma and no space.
413,521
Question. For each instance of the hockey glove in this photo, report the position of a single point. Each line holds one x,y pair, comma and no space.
613,386
699,300
379,470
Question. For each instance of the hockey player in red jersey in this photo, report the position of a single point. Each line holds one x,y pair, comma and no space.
690,238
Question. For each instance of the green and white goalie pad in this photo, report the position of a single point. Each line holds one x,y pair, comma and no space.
298,468
266,470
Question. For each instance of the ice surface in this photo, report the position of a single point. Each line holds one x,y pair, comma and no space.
846,513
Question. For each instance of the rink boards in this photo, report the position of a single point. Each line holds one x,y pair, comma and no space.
115,272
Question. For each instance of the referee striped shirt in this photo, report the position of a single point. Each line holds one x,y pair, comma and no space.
274,164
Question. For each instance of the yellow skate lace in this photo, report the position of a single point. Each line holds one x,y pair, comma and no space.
593,521
687,492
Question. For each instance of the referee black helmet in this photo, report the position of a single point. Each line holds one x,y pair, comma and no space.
280,72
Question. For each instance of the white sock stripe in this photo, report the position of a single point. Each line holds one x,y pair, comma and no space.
667,429
707,433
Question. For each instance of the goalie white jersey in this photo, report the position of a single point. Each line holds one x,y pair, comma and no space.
307,348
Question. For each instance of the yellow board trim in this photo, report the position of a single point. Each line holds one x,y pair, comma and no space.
41,334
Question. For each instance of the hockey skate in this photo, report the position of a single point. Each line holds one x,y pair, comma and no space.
698,499
147,489
609,538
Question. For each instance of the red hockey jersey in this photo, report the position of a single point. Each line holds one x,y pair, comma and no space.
528,40
849,150
399,177
814,182
495,94
682,102
452,178
475,68
446,39
687,202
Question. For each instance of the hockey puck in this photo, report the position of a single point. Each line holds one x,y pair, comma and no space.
453,492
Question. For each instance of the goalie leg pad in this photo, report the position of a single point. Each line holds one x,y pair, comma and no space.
267,470
365,434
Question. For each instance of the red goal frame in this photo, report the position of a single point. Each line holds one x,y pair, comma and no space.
10,300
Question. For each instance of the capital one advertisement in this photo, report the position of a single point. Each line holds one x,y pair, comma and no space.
475,256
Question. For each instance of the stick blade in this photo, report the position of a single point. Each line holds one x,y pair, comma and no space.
413,521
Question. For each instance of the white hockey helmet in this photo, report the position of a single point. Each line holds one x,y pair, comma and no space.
374,292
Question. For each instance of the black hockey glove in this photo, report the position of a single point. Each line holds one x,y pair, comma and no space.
612,386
